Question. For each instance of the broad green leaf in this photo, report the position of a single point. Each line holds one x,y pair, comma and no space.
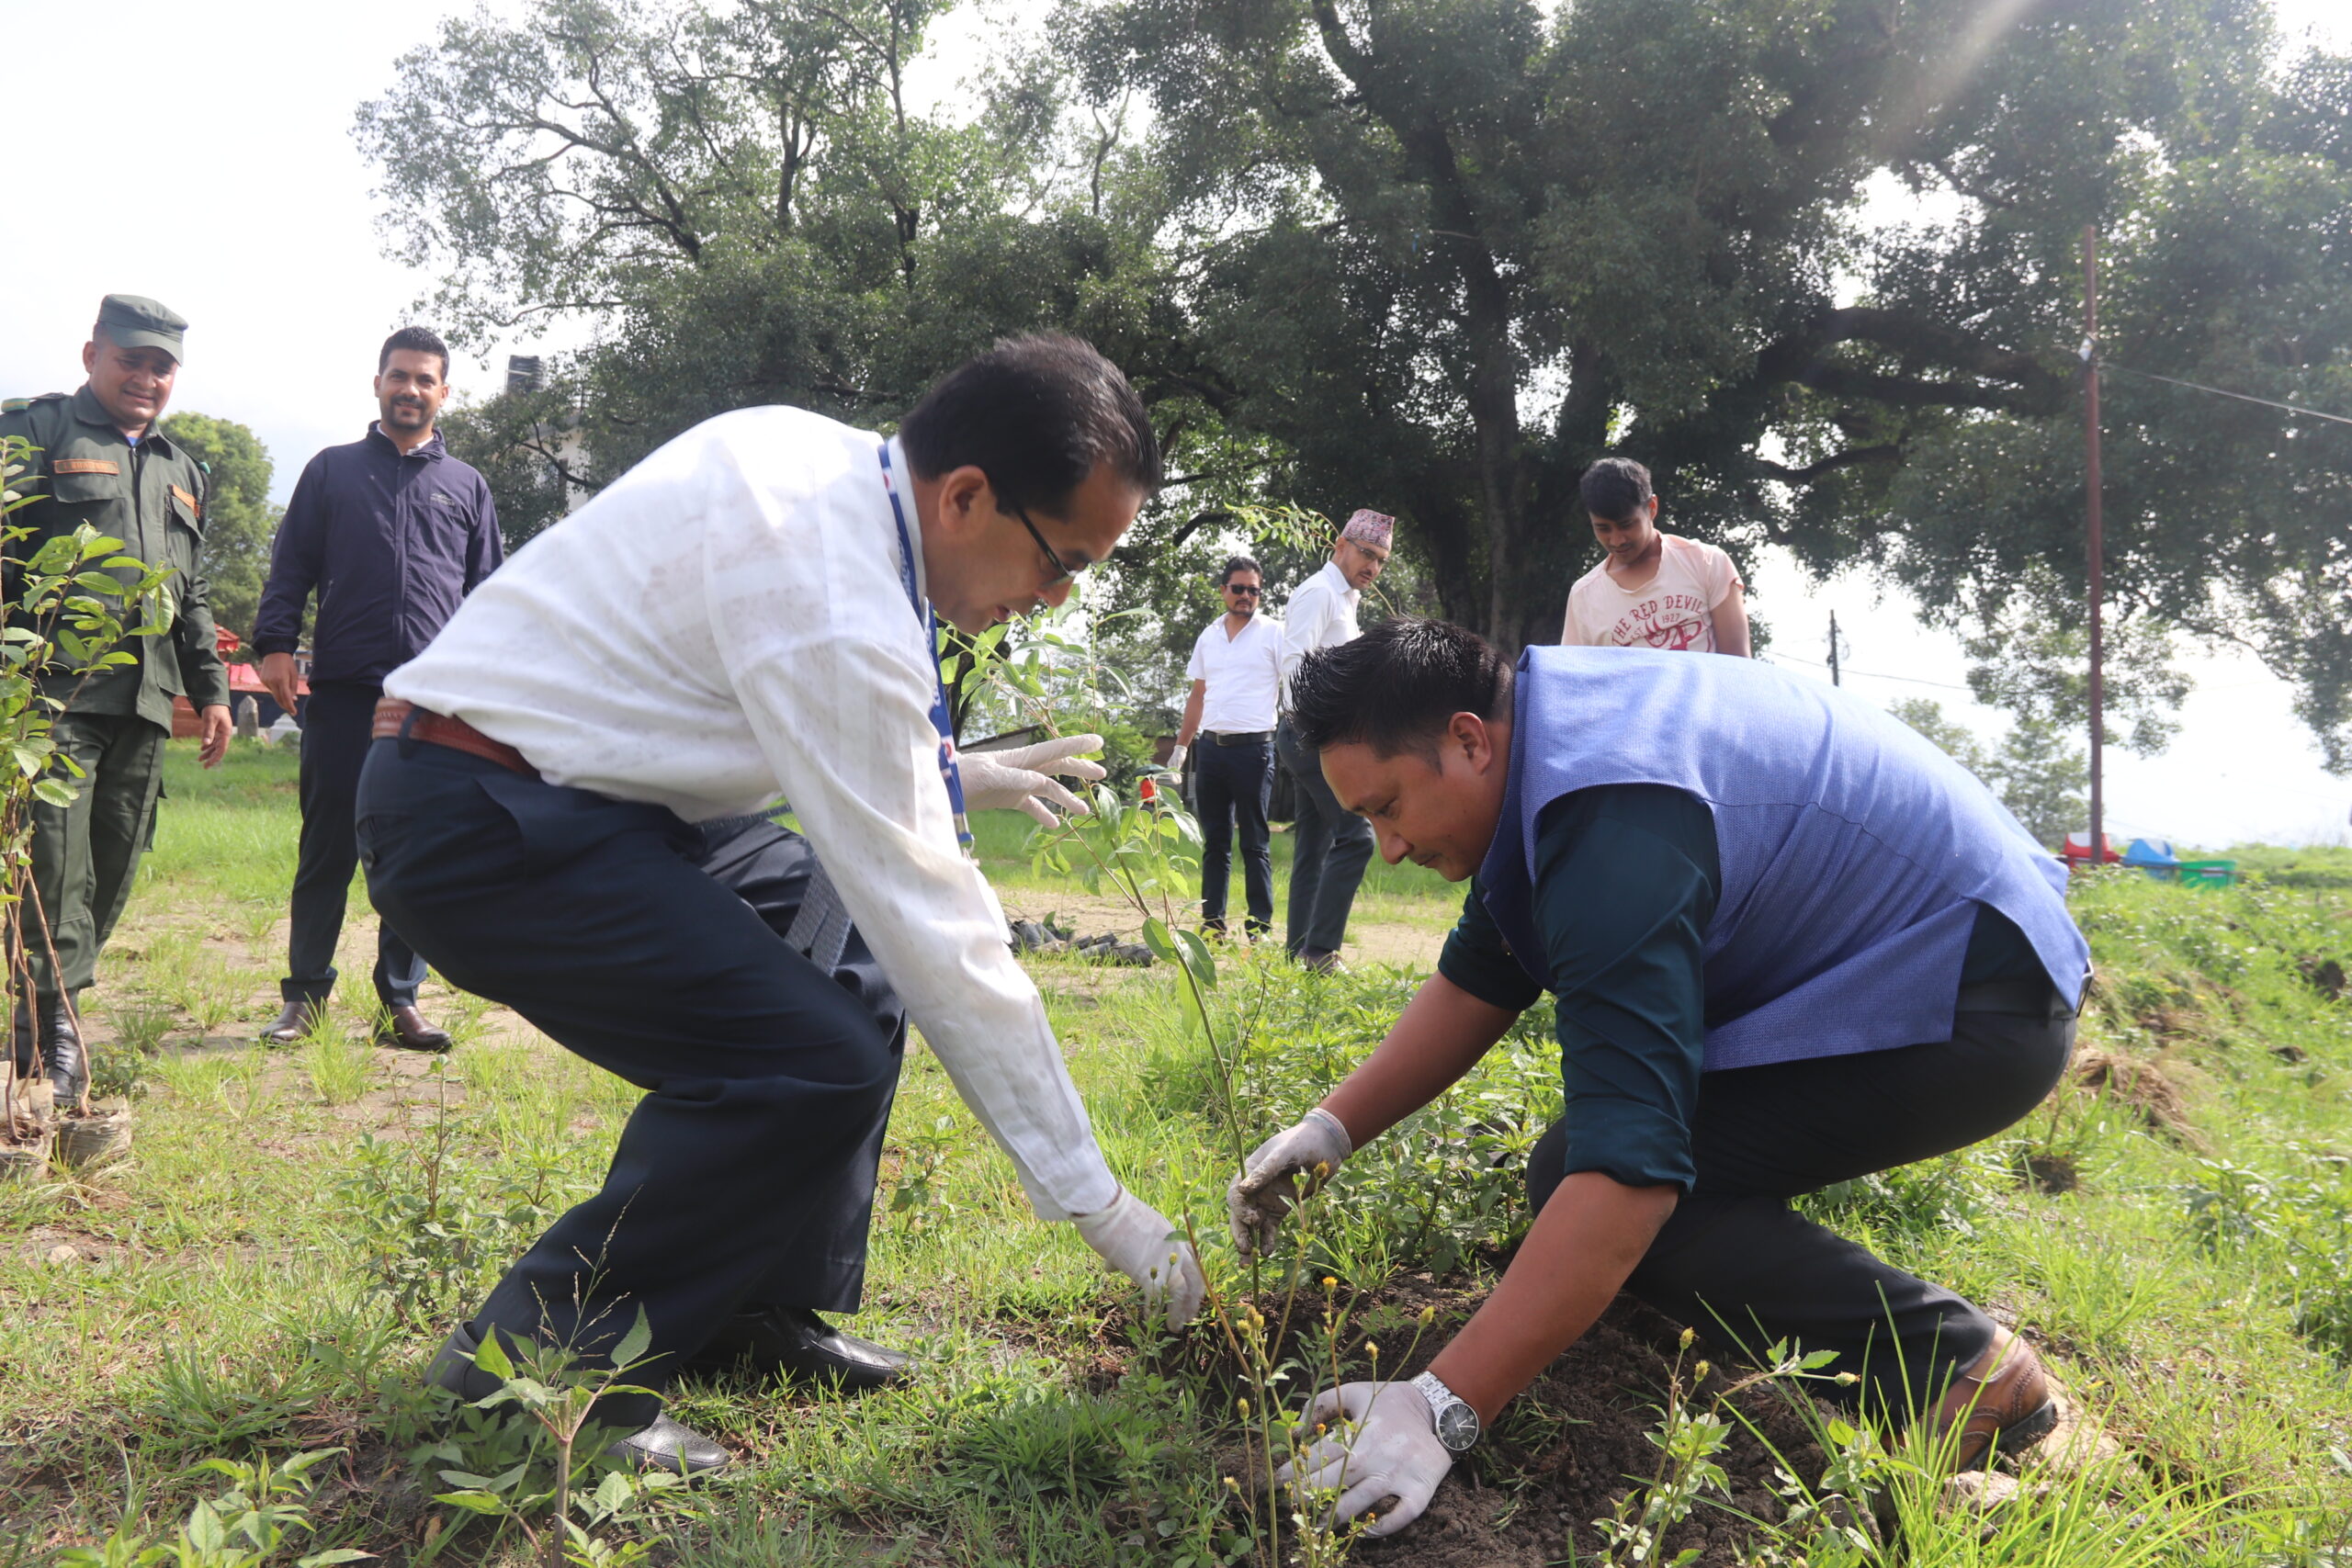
631,1348
490,1356
1155,937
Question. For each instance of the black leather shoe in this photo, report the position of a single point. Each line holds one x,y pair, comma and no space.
404,1029
794,1342
666,1445
60,1050
297,1019
671,1446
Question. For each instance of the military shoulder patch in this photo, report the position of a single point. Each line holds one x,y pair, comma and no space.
84,465
14,405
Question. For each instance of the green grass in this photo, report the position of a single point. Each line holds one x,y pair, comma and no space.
257,1279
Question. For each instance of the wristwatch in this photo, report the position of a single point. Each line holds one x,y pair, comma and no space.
1458,1424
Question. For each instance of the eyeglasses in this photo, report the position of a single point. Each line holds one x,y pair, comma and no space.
1241,588
1063,570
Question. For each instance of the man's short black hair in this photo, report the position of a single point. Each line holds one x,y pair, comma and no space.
1396,687
1615,487
1036,414
1239,563
416,340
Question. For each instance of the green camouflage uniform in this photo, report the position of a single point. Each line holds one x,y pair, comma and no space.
150,496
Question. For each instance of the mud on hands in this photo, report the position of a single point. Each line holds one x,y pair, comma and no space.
1271,1181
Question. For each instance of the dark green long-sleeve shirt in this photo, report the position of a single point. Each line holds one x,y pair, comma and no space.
152,497
1625,884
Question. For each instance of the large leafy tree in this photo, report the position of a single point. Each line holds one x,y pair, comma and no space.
1447,251
743,201
240,522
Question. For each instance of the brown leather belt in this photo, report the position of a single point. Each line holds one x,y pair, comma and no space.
398,720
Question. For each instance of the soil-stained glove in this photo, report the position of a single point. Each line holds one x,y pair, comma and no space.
1270,1183
1176,755
1018,779
1137,1240
1388,1448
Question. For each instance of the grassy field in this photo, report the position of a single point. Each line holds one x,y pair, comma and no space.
297,1229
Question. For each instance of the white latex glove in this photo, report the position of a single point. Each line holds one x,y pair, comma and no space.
1139,1241
1176,755
1388,1448
1269,1184
1017,779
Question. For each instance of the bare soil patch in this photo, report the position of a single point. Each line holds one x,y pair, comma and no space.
1369,942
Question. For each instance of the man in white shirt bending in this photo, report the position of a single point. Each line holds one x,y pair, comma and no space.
1330,846
1651,589
1236,673
749,614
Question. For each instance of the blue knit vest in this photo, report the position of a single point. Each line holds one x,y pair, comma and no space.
1854,851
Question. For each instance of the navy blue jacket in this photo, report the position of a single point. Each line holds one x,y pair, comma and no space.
391,543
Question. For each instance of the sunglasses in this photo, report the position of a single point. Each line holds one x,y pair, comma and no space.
1241,588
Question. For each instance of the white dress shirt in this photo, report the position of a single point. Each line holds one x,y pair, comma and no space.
1244,672
1321,614
728,622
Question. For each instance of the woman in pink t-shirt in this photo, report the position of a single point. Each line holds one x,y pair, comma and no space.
1652,589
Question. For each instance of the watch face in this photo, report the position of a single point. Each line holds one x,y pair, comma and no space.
1457,1427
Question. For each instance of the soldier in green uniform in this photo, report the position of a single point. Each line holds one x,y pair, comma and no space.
101,460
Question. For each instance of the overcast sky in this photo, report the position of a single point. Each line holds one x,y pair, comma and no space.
239,112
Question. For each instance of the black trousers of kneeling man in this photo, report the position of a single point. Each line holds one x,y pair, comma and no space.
1737,1263
654,949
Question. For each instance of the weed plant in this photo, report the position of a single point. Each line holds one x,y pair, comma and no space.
432,1224
340,1064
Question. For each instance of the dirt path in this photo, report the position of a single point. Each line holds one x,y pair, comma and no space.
1369,942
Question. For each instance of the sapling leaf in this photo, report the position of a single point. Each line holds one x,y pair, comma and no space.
631,1349
613,1494
472,1502
490,1356
1198,958
1155,937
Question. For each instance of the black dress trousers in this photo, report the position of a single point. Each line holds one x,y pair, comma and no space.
767,1079
336,722
1740,1266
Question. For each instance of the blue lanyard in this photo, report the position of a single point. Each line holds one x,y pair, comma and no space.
940,719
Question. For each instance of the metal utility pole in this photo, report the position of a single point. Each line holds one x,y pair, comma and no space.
2097,550
1833,649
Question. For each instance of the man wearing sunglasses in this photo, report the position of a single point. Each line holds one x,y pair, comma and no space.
553,814
1237,675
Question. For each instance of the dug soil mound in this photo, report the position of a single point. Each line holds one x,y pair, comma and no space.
1579,1440
1583,1442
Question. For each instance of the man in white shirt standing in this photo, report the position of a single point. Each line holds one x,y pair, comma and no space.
1651,589
1329,845
749,613
1237,672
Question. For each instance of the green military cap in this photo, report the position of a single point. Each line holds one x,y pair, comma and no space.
134,321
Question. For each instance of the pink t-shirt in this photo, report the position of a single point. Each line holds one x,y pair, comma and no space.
1675,609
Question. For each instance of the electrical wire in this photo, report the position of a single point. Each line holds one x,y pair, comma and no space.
2224,392
1874,674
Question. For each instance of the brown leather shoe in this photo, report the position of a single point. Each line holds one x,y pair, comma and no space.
406,1029
299,1017
2003,1402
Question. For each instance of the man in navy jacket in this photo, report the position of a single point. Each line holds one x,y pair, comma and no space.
392,533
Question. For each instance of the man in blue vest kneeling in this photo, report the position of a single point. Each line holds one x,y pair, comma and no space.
1792,944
